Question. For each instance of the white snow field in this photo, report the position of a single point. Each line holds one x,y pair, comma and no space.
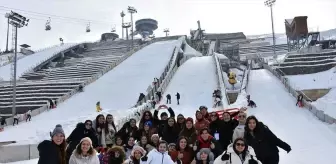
30,61
195,80
311,140
327,103
32,161
117,91
321,80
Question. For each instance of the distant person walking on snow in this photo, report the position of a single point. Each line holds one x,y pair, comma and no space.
178,98
168,99
159,95
16,119
28,115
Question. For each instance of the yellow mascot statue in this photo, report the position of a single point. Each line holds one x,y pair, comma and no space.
98,108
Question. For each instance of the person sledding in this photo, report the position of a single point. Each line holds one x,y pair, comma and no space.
299,100
98,108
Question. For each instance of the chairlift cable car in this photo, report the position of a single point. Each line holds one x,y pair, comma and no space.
88,27
113,29
47,25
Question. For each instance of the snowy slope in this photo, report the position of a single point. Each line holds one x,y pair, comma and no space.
117,90
30,61
327,103
32,161
311,140
325,79
4,58
195,80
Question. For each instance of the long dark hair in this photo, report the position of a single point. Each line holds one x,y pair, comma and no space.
61,151
106,124
97,122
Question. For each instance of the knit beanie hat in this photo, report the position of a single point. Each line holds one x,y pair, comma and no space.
86,139
138,148
154,135
148,123
58,130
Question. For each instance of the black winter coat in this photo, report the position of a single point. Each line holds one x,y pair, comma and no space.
127,131
170,134
48,152
163,123
265,143
226,131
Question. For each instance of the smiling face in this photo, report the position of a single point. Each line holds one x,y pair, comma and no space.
109,119
170,122
130,141
162,147
252,124
183,143
143,140
240,146
58,139
204,156
101,120
85,146
226,117
137,155
88,125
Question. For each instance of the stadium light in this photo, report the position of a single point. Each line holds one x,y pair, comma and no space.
122,14
270,3
132,10
17,21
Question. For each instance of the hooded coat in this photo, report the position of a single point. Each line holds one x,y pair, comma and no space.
156,157
48,152
109,156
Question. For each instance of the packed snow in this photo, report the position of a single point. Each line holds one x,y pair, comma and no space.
32,161
311,140
5,58
191,51
195,80
327,103
321,80
117,90
30,61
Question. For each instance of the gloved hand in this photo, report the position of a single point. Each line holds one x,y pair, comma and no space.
225,157
144,158
252,161
289,150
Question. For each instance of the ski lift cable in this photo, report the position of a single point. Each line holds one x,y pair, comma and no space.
38,14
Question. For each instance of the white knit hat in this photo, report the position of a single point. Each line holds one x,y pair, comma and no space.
86,139
138,148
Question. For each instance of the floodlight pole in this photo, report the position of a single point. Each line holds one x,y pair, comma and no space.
17,21
122,14
270,3
7,34
132,10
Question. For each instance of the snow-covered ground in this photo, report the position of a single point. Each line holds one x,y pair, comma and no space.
311,140
327,103
30,61
195,80
280,59
191,51
117,90
321,80
32,161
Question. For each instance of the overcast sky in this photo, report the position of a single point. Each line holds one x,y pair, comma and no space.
216,16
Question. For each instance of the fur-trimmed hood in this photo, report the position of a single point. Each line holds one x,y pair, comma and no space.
117,149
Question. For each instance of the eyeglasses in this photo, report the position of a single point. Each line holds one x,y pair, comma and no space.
240,144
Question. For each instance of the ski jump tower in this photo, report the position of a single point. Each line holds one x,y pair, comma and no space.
145,27
298,35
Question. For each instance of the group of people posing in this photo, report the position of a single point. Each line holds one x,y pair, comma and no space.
166,140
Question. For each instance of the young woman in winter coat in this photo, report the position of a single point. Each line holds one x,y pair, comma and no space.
205,140
204,112
263,141
136,155
180,122
158,156
148,130
129,129
201,122
118,141
238,153
205,156
99,127
53,152
189,131
84,153
147,116
183,151
114,155
163,121
129,146
240,129
110,131
170,132
81,131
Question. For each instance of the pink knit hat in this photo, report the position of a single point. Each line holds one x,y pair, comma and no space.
138,148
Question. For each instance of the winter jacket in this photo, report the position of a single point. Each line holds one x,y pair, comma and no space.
128,151
131,161
79,159
170,134
190,134
234,158
109,137
155,157
154,121
201,124
238,132
225,131
109,158
200,143
76,135
265,143
127,131
163,123
188,155
48,152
